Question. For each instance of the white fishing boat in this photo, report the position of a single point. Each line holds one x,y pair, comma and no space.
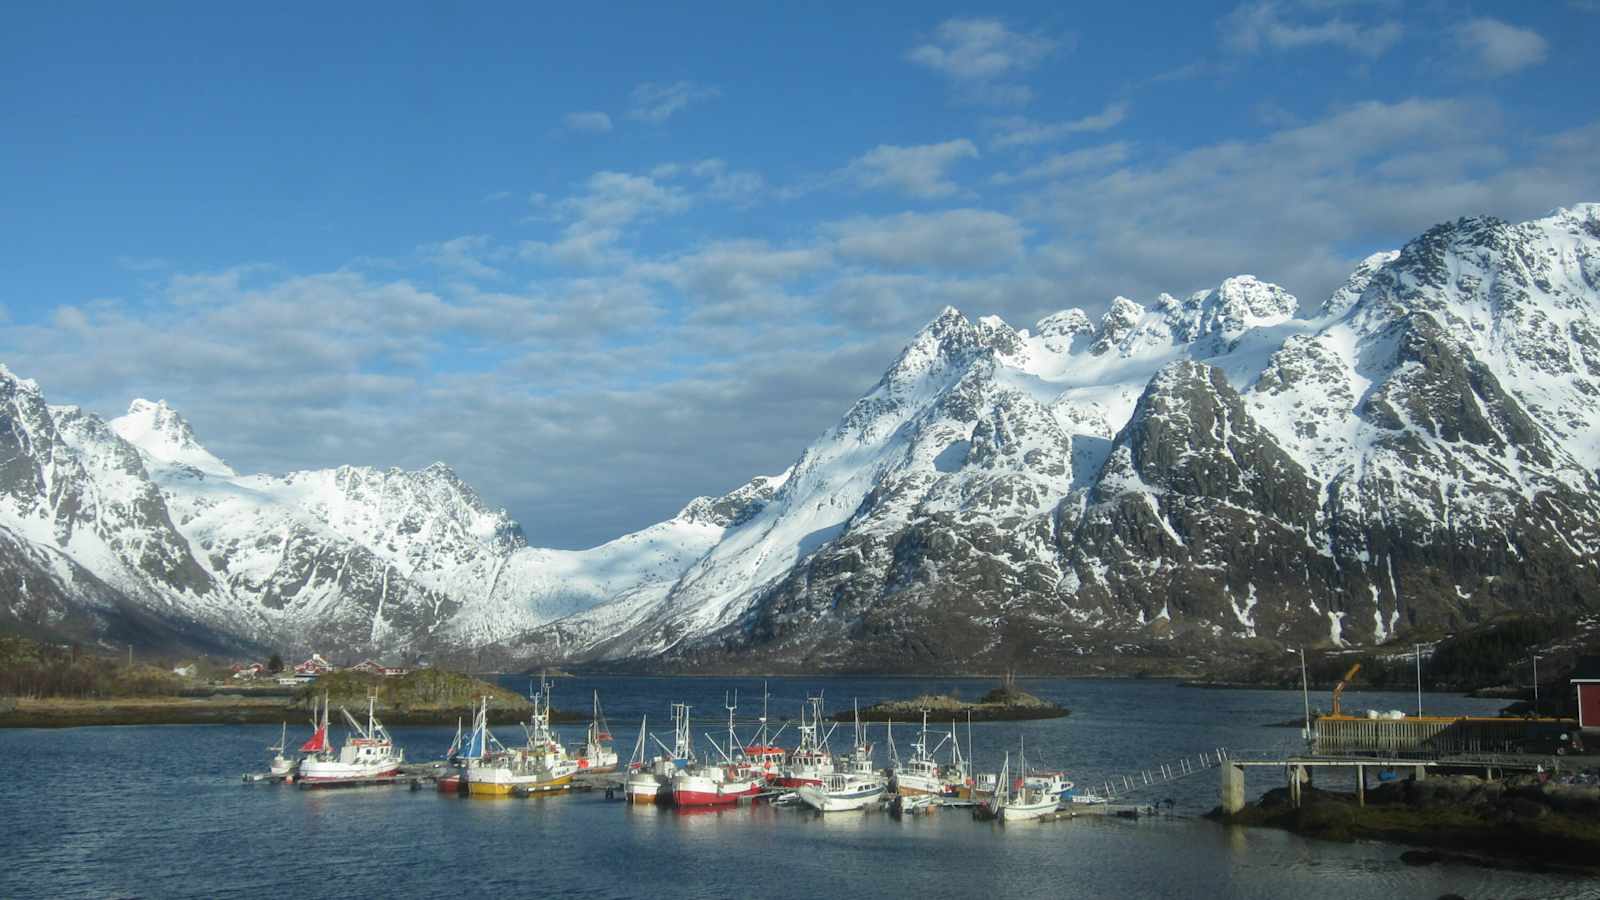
709,784
367,752
841,791
641,784
597,754
811,759
282,766
650,780
859,760
920,774
1053,783
956,778
1013,799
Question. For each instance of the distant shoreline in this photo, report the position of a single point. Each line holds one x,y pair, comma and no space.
227,710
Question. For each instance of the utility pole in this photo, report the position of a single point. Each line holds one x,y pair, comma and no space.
1419,680
130,656
1536,684
1305,693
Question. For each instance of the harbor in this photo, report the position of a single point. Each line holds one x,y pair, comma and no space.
162,813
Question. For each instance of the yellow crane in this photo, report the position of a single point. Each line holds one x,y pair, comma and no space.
1338,689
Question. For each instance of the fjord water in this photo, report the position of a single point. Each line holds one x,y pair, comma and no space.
159,811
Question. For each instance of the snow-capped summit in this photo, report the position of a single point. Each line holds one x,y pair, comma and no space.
162,434
1173,476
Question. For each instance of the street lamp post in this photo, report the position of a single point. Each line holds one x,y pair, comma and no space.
1419,680
1536,684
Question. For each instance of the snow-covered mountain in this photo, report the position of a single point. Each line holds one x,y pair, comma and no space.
1418,450
1421,449
100,522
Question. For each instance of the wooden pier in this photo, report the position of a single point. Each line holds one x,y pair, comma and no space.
1297,771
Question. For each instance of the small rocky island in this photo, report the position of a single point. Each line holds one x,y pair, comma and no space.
1006,703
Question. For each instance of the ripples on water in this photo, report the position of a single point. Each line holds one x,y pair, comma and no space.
160,812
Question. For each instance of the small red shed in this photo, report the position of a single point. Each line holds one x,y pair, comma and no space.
1587,679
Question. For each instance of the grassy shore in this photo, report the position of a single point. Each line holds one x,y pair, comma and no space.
427,697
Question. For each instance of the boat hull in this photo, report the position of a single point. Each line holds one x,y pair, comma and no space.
1026,813
697,790
507,785
331,772
822,801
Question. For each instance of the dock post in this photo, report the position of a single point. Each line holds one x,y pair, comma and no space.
1232,798
1361,785
1419,773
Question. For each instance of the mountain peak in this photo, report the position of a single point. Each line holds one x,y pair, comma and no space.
163,435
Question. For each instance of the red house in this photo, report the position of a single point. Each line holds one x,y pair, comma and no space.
313,667
1587,679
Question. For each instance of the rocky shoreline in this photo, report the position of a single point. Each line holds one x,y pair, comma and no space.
1519,821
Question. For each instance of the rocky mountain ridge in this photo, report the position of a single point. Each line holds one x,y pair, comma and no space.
1419,451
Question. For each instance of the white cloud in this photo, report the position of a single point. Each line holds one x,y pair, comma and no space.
587,122
1253,27
1070,163
977,55
919,171
952,239
465,254
656,102
1499,48
719,182
1287,207
1017,131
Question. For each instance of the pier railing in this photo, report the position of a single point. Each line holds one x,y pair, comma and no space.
1122,785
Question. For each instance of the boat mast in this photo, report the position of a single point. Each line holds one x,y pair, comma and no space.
764,697
638,749
732,741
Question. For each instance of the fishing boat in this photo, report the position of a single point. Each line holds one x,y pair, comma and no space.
919,774
451,781
650,780
764,757
367,752
1013,800
955,779
282,766
841,791
641,784
709,784
859,760
542,765
1053,783
811,759
596,754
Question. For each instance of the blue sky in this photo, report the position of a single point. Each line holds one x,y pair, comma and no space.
602,261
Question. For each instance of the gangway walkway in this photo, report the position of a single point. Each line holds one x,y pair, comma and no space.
1122,785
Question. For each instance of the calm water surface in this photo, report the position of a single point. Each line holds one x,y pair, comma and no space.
160,812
